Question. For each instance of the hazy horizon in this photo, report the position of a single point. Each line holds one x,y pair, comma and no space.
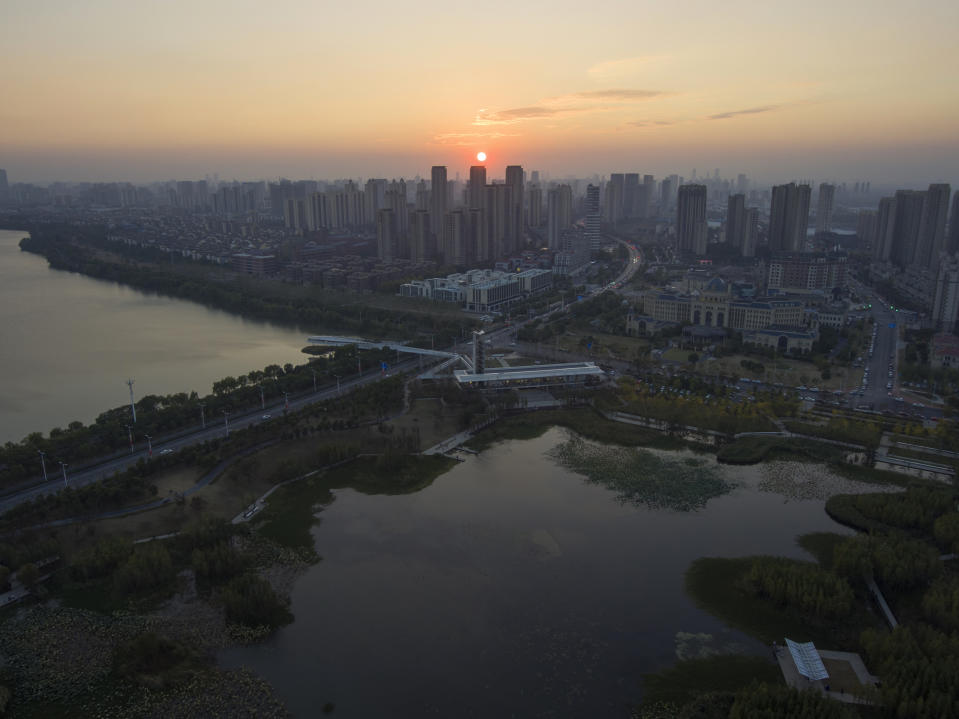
109,91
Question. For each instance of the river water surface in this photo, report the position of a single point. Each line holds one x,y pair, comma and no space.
68,343
511,587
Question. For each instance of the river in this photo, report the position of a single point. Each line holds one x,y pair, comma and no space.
68,343
513,587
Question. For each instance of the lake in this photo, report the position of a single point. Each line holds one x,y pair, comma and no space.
511,586
68,343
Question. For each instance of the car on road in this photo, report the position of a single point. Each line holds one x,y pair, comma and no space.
166,451
267,416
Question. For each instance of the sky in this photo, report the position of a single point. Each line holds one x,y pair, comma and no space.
841,90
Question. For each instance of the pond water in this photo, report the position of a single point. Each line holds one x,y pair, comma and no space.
511,587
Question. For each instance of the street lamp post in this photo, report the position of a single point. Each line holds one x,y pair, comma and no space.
43,463
63,468
130,436
262,400
314,380
226,421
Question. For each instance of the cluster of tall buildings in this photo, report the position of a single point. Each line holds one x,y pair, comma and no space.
789,206
914,236
909,228
488,222
630,196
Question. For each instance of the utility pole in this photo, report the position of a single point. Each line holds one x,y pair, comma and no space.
43,463
149,446
63,468
130,436
133,407
226,421
202,416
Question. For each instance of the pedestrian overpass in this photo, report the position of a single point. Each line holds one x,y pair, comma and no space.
448,359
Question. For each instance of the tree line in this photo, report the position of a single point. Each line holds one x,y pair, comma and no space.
916,511
72,248
918,666
157,415
804,586
895,560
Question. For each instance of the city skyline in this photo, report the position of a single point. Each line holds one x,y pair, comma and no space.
835,91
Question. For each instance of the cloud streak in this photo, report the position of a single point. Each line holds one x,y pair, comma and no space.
576,102
748,111
651,123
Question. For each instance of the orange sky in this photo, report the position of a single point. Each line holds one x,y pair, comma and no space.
826,90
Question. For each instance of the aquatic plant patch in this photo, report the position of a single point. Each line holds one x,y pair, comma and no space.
643,478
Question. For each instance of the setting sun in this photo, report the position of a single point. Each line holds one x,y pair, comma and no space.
481,156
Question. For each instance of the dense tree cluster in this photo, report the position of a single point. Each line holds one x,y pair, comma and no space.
26,548
716,413
100,560
752,366
842,429
807,587
217,564
918,666
915,510
765,701
148,568
946,531
895,560
940,604
153,660
250,600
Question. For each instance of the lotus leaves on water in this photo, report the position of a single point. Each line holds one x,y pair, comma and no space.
641,477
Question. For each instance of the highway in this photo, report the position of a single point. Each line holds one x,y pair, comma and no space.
878,393
213,430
